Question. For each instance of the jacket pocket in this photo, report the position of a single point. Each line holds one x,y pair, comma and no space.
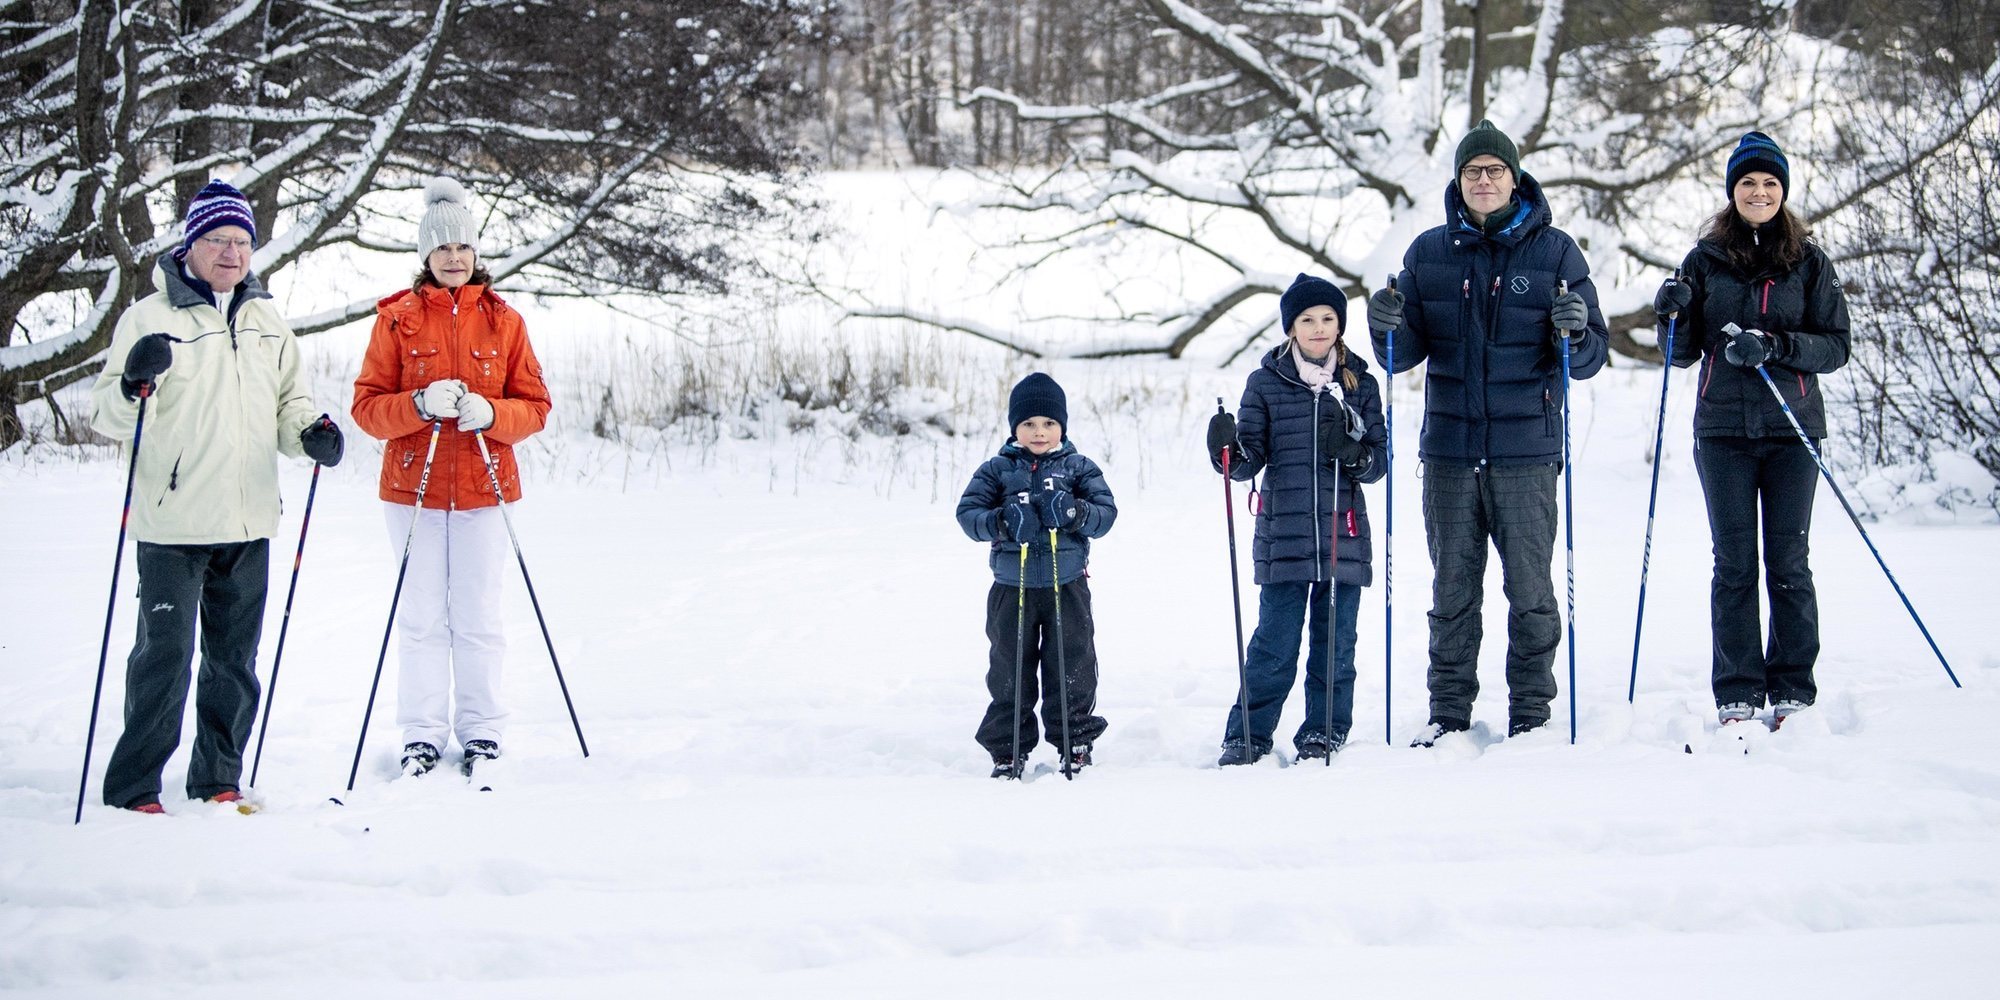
423,364
486,374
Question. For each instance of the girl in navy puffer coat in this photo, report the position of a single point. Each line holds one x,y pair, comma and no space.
1311,421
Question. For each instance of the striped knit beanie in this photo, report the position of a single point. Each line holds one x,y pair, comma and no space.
446,219
213,207
1757,152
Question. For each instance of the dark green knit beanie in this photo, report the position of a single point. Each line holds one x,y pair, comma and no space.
1487,140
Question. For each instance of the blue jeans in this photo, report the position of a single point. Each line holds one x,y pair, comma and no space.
1273,662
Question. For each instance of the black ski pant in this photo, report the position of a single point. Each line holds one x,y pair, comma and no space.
1079,648
1743,478
222,587
1513,506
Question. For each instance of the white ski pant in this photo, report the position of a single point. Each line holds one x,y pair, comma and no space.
451,639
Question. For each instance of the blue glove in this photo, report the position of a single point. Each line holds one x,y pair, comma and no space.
1019,519
1056,508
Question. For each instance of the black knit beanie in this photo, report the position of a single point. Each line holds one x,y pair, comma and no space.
1755,152
1306,292
1486,139
1037,396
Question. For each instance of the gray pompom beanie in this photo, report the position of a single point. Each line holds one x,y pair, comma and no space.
446,219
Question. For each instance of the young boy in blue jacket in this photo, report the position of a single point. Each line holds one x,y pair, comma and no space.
1038,502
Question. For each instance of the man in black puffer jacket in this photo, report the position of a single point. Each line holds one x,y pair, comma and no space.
1488,311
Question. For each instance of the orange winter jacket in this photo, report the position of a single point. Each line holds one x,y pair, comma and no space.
421,337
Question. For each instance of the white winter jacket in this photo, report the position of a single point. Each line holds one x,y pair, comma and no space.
232,399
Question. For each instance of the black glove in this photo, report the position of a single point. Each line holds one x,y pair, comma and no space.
1337,443
1747,348
1056,508
1019,520
1569,315
1385,310
323,441
1221,434
149,356
1673,297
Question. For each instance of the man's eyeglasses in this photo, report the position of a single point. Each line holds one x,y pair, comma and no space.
1493,172
236,243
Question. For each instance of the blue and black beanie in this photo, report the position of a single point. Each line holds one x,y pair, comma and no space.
1306,292
1037,396
1756,152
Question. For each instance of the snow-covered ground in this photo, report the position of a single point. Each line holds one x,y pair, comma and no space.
775,647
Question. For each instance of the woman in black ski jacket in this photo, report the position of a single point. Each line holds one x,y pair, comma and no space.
1311,422
1755,268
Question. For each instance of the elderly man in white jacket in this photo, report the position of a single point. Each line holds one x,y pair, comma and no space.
220,372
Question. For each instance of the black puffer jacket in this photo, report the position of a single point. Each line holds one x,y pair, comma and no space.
1805,311
1477,309
1017,469
1278,432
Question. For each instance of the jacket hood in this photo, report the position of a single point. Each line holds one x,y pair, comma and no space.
168,278
404,300
1534,208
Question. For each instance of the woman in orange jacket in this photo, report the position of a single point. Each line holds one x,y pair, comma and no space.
448,355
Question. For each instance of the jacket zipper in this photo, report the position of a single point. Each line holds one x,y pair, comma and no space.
1313,464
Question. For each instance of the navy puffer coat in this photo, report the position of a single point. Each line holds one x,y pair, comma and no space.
1805,311
1017,469
1477,308
1278,432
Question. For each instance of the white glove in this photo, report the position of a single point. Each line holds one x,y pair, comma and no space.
439,399
474,413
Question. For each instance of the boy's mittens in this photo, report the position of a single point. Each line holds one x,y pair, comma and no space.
1019,519
1056,508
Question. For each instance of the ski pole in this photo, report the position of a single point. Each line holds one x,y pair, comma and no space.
1020,647
493,477
117,561
1652,500
1733,329
1062,664
402,570
278,658
1332,591
1389,538
1569,527
1235,585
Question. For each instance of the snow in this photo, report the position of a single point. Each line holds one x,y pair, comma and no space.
774,642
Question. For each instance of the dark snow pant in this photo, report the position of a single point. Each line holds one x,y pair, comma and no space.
1741,478
1273,662
225,586
1079,649
1515,507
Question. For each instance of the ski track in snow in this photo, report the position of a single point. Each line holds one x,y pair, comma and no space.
779,678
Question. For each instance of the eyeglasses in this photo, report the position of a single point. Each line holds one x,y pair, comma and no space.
236,243
1493,172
